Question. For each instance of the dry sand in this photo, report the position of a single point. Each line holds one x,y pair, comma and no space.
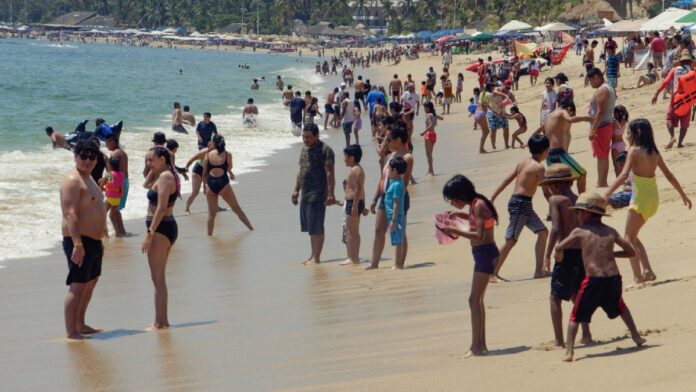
247,316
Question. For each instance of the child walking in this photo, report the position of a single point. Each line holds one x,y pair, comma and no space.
429,135
618,146
602,285
394,206
641,164
357,121
460,87
482,217
521,122
527,175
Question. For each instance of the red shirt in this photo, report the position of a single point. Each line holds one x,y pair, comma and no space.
657,45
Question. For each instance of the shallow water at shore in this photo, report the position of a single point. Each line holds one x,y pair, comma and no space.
49,84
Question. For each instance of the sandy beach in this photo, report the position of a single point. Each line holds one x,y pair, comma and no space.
247,316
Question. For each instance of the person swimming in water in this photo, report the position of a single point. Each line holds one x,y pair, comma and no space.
57,139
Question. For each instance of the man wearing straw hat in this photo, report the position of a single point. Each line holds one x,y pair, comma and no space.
684,60
602,284
569,274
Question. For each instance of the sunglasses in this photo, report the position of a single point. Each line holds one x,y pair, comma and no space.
88,156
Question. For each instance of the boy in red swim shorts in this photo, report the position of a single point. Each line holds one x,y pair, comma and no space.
602,284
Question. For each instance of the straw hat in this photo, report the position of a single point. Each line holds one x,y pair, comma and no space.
558,172
592,202
686,55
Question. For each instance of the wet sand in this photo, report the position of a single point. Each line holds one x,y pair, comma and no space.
247,316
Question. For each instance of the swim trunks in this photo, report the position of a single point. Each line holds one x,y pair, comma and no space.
347,128
485,258
312,215
179,128
522,214
430,136
613,81
328,108
167,227
595,292
601,144
124,195
559,155
198,169
645,198
91,263
567,275
349,207
495,121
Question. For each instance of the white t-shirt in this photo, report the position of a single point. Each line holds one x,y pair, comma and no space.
548,101
410,98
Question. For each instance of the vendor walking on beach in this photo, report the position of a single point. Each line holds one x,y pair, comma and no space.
83,225
316,180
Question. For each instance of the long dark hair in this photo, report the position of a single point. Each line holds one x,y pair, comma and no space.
219,143
642,135
162,152
461,188
429,105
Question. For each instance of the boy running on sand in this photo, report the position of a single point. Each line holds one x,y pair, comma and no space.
527,175
557,129
602,285
354,202
567,275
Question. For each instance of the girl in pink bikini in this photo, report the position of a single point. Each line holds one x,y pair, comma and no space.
429,134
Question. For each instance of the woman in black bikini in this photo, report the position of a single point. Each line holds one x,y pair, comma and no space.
217,165
163,184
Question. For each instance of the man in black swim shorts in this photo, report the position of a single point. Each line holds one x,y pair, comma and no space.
317,181
83,225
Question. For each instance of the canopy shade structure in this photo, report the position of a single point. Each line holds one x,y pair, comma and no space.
683,3
557,26
445,38
481,36
666,20
688,18
625,26
514,25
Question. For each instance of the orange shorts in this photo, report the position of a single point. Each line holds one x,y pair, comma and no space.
601,144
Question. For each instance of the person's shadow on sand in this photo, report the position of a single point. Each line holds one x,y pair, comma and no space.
618,351
508,351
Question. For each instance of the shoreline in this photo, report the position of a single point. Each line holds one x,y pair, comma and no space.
246,314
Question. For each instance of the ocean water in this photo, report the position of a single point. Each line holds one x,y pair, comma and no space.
45,84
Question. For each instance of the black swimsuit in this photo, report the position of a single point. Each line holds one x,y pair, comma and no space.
217,184
167,226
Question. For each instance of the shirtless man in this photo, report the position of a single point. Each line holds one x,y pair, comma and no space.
329,107
527,176
354,202
57,139
602,286
287,96
409,81
83,224
255,84
115,213
250,108
187,117
395,88
177,119
588,60
557,129
279,83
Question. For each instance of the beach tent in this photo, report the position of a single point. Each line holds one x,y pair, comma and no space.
446,38
688,18
424,35
515,25
665,20
481,36
683,3
556,26
625,26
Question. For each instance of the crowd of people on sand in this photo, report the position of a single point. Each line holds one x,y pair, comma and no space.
584,271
